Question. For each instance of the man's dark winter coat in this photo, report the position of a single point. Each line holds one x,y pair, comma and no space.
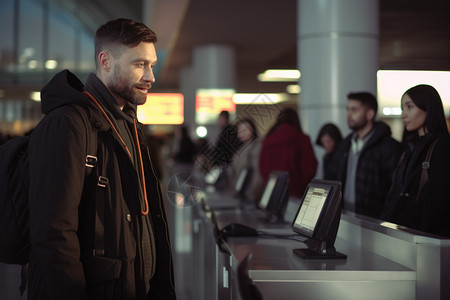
375,168
62,265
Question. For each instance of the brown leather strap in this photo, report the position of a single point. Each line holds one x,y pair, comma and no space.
425,167
109,120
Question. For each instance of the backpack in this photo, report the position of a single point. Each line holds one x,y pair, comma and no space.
14,184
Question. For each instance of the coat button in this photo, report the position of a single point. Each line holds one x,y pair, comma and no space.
98,124
128,217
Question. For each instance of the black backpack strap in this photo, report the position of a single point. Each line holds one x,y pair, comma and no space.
95,162
92,139
101,191
425,167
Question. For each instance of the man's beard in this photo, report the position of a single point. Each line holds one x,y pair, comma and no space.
359,125
120,86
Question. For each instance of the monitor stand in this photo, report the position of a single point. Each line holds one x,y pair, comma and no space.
309,254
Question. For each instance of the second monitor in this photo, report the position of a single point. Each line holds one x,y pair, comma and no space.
275,196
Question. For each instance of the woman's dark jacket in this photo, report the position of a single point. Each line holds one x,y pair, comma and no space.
62,210
430,213
375,168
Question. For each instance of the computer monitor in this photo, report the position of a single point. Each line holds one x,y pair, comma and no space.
242,182
212,176
275,196
318,219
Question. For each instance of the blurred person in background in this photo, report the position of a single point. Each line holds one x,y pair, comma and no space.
329,138
287,148
227,142
247,158
186,149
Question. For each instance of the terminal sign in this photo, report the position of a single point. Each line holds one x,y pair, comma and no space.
210,102
162,108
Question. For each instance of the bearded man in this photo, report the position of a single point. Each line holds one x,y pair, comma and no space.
366,158
98,227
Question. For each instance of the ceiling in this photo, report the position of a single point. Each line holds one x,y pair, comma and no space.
414,34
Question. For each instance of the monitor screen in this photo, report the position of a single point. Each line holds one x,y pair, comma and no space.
318,218
275,196
268,191
213,175
309,213
243,182
240,180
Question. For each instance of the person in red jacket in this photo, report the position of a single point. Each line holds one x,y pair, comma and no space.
287,148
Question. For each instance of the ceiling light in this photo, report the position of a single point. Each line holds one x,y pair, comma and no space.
32,64
250,98
274,75
35,96
51,64
293,89
201,131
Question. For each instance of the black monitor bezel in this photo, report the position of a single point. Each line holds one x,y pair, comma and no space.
332,188
279,196
245,175
321,241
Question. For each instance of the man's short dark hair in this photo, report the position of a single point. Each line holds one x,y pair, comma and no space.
367,100
124,32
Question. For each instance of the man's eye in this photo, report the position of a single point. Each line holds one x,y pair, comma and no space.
140,65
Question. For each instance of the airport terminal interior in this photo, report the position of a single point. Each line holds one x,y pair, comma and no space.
254,59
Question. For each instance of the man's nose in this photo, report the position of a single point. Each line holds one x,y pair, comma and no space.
149,75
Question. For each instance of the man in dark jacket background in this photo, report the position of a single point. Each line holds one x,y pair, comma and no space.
366,158
101,236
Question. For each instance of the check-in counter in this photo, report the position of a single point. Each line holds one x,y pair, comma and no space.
427,255
383,262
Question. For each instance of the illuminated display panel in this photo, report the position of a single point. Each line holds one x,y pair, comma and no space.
162,108
210,102
393,83
267,192
311,209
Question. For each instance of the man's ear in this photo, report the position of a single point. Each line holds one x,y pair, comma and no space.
105,60
370,114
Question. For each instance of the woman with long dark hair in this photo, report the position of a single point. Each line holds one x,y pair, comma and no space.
419,196
329,137
247,158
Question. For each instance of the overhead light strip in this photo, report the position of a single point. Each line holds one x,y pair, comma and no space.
253,98
279,75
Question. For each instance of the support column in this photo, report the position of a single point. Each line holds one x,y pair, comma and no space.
338,54
214,67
